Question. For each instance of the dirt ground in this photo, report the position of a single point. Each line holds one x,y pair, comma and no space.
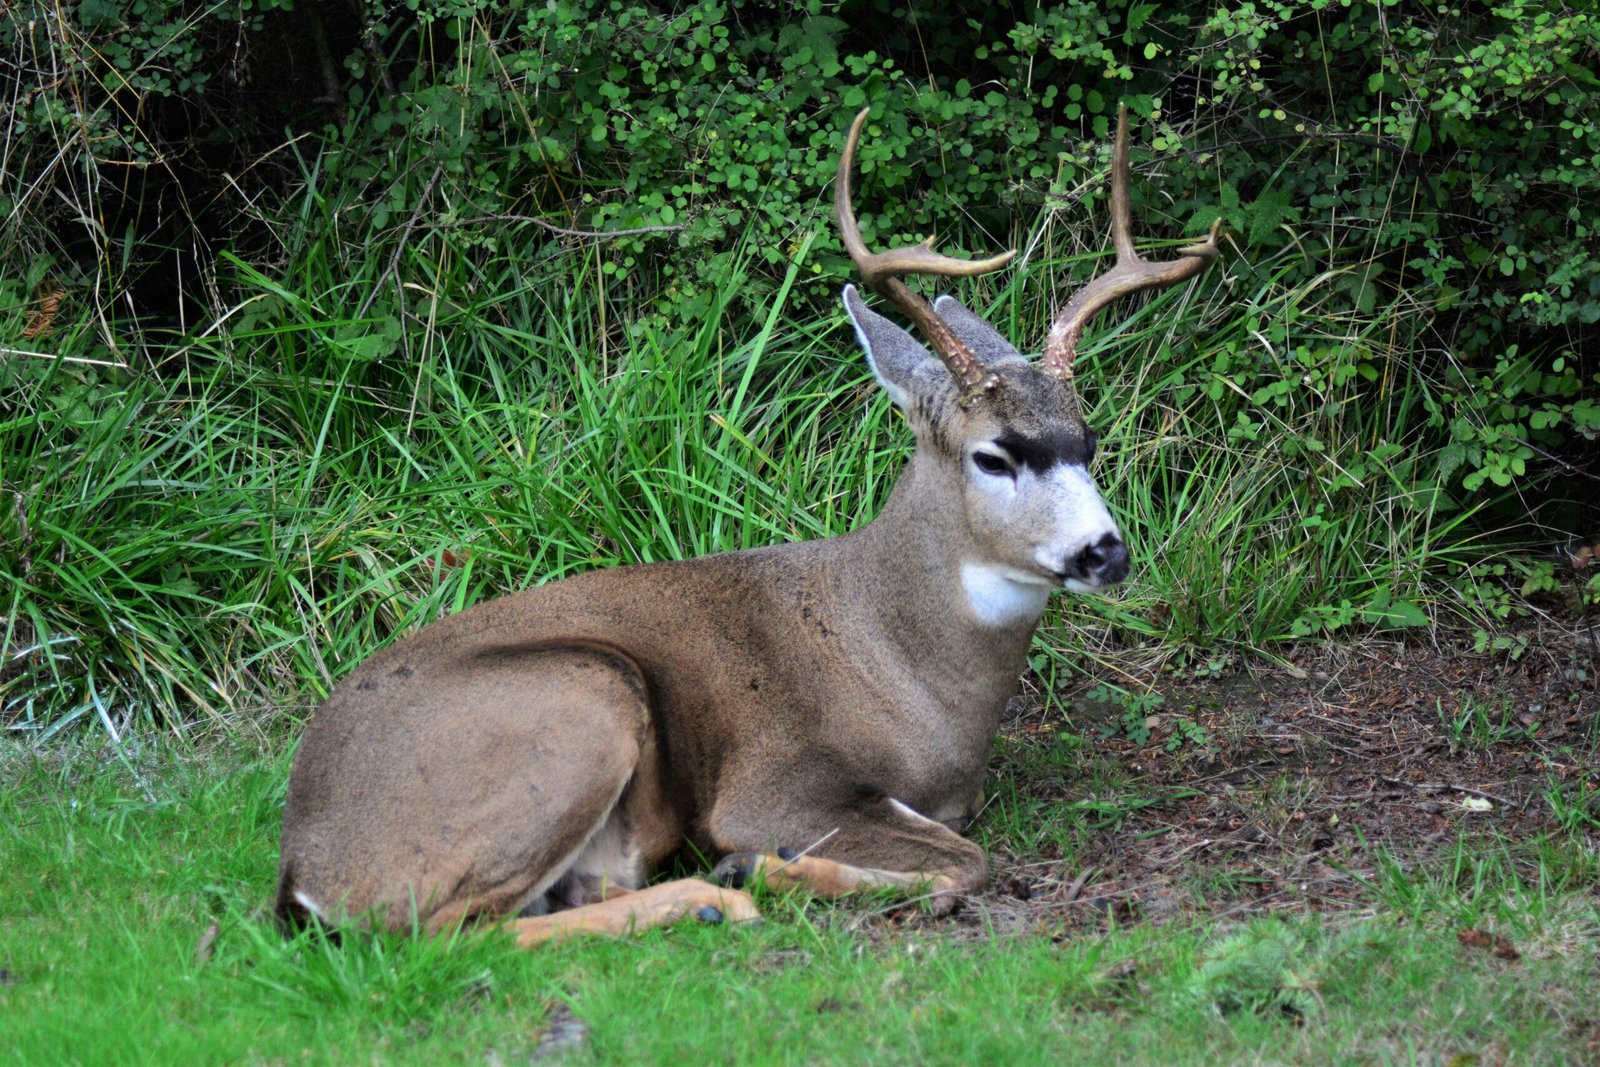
1285,787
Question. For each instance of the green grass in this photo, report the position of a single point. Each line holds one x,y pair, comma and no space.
117,870
232,528
1479,724
1045,798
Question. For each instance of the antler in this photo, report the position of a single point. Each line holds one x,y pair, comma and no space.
1131,274
882,271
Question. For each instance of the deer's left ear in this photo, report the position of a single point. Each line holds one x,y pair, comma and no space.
902,366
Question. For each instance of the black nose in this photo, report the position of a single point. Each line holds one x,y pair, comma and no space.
1104,562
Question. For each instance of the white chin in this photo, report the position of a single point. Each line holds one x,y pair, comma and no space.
1072,585
1002,596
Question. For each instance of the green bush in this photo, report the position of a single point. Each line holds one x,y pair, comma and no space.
1446,153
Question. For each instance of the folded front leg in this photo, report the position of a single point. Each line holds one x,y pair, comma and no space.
867,843
633,911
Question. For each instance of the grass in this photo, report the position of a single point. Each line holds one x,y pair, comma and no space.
234,527
389,424
1480,724
1575,804
132,931
1044,797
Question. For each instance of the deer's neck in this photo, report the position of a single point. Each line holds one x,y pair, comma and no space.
936,593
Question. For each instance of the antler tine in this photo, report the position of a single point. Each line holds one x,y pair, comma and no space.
882,272
1131,274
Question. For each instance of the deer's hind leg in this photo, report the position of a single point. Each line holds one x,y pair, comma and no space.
432,795
599,889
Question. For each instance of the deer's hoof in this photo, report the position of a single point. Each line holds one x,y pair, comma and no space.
737,869
709,914
945,904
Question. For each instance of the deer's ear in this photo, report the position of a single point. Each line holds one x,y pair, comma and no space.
902,366
987,343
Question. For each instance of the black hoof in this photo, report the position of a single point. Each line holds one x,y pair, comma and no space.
788,854
709,913
737,869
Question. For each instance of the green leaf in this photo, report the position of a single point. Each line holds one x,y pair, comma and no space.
99,14
1271,209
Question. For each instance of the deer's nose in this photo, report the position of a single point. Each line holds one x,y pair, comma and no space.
1105,562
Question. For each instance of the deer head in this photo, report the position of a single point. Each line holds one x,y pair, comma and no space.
1007,436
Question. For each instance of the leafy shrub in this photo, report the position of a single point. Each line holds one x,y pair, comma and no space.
1446,152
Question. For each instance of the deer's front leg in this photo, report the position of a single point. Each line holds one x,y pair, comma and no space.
871,842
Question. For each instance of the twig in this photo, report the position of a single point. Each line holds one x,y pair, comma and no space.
1075,890
1446,787
1202,843
400,245
1558,461
803,853
586,234
590,235
1342,724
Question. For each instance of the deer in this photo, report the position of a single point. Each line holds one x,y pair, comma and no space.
815,714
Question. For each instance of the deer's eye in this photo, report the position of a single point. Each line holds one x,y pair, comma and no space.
994,464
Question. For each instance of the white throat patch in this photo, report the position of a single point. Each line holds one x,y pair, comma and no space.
1003,596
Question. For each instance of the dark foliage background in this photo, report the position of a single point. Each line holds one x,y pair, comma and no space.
1445,154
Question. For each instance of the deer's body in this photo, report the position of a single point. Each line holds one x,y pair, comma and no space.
773,674
819,712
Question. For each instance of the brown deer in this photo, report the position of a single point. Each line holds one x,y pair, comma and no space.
818,713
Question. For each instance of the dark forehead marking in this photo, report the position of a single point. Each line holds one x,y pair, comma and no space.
1040,452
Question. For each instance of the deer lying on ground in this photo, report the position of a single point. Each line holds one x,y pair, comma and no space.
818,713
